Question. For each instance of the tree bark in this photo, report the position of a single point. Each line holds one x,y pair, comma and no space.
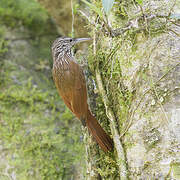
134,60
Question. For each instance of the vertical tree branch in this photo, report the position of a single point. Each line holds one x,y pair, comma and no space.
118,145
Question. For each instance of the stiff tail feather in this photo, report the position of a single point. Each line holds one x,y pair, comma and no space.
104,140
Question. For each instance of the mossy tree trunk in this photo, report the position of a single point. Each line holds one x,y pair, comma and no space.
134,62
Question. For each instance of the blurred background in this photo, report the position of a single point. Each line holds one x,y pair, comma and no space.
36,141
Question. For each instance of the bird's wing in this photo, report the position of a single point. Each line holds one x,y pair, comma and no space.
79,93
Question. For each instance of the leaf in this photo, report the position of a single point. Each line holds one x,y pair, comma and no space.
140,2
94,8
107,5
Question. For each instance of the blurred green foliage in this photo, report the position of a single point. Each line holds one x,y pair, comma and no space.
25,13
39,137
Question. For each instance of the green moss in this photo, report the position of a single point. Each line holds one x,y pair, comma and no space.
175,169
27,13
109,168
36,137
27,129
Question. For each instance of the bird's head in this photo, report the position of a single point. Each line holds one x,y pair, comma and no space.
63,45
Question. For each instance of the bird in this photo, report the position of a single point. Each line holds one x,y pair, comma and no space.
71,85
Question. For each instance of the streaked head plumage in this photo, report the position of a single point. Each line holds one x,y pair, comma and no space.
63,45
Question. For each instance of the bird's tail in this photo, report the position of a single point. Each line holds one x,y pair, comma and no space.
104,141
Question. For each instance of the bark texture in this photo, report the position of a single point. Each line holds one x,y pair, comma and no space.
136,54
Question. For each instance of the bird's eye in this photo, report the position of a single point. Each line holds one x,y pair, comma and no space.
70,40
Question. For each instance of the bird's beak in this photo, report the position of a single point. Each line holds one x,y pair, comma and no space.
78,40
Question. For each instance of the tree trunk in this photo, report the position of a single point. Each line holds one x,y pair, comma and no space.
134,61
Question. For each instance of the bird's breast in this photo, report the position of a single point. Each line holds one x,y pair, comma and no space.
67,75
